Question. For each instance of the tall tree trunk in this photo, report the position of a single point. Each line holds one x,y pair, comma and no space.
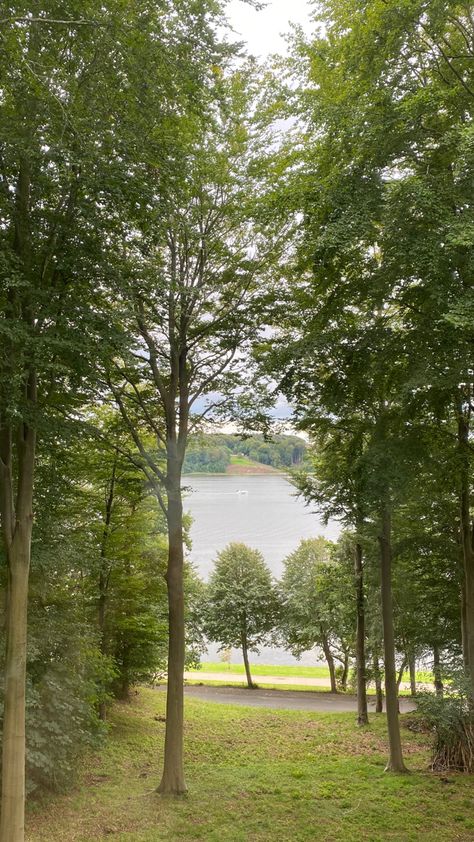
438,683
362,716
17,522
402,669
245,655
412,668
173,781
329,661
465,653
105,571
467,539
378,684
101,622
345,671
395,762
13,760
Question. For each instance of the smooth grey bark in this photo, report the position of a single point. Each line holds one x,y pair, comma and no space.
465,653
378,683
395,761
17,453
467,540
104,571
412,669
245,655
438,683
345,671
173,780
362,715
402,669
17,523
329,660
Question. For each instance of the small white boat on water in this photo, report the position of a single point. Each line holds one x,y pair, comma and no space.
242,491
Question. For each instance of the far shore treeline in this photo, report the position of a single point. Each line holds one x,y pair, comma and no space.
213,453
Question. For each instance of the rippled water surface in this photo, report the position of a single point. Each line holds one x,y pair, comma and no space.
261,511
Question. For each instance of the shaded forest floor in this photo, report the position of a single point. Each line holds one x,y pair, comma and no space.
256,774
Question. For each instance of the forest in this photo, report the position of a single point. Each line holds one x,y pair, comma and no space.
187,236
213,453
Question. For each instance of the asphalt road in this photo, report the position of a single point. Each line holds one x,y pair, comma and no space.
281,699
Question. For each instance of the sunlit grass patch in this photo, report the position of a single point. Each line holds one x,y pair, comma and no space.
256,774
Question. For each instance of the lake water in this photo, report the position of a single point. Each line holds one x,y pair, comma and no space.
261,511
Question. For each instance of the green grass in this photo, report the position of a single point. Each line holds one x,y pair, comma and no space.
263,669
242,460
303,688
288,672
259,775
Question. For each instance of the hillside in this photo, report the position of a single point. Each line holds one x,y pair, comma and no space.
229,454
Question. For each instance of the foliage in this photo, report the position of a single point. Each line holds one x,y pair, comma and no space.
266,769
206,458
451,719
212,453
316,595
241,606
67,675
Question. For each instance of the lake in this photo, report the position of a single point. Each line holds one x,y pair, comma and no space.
261,511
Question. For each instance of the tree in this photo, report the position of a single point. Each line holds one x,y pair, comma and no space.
335,480
314,590
398,133
188,297
50,269
383,252
81,132
241,605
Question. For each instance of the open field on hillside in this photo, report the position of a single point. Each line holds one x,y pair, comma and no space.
256,774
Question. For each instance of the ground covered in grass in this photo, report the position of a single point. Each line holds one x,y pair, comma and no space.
296,671
265,669
304,688
256,775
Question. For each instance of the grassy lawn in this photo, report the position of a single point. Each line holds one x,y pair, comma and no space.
288,672
263,669
241,460
256,774
303,688
219,683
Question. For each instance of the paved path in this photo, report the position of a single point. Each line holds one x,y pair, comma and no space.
281,699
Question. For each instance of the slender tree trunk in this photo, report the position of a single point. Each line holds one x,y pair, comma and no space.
395,762
124,688
329,661
345,671
378,684
17,522
101,622
438,683
465,653
412,668
467,540
402,669
362,715
173,781
104,571
13,760
245,655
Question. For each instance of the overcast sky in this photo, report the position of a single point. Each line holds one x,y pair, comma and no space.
262,30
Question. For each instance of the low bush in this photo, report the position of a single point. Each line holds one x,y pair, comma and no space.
451,719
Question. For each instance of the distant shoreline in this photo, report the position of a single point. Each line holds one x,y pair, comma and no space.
241,471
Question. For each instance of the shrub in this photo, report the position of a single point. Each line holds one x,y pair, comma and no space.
451,719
